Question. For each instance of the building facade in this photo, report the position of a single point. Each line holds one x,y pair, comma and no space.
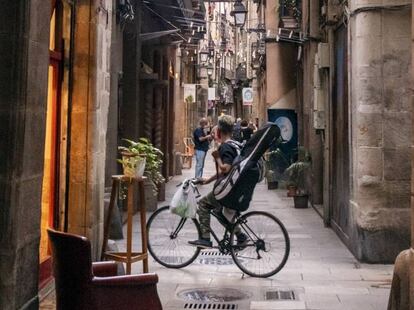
363,94
344,70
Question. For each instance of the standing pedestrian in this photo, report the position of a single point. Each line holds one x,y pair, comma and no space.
237,130
201,145
216,138
246,131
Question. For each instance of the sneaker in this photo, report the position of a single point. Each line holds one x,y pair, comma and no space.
241,239
202,243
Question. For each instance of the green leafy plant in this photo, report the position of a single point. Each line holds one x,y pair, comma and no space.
189,99
153,157
291,8
298,173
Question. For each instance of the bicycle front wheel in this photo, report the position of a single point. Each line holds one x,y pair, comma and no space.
267,247
168,235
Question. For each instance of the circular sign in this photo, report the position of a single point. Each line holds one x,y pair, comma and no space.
248,95
286,128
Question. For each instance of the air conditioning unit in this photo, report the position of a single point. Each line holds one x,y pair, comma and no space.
323,56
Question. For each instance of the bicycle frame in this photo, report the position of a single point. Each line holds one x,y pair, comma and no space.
228,226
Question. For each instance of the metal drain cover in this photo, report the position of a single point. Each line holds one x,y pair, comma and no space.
212,253
214,294
215,258
217,306
280,295
221,261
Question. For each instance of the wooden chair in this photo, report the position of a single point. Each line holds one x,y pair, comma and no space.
81,284
189,153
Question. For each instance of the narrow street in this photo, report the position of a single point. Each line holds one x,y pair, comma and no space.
102,103
320,271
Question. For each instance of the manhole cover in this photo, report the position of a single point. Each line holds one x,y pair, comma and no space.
218,306
214,295
280,295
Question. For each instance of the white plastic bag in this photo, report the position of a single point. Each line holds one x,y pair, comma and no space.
184,202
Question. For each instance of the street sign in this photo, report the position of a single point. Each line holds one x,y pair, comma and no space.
247,96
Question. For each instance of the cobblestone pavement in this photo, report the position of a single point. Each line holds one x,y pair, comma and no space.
321,271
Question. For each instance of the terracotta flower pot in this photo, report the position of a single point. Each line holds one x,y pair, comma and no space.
291,191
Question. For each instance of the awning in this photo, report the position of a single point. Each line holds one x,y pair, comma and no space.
153,35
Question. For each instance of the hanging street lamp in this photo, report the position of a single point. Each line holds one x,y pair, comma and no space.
239,13
204,56
210,70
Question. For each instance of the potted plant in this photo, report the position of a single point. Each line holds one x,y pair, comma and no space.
135,154
133,159
290,14
298,174
275,163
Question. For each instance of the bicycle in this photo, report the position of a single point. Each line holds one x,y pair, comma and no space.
264,253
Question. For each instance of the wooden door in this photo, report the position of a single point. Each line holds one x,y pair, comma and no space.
340,137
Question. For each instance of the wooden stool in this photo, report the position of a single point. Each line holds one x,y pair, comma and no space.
189,153
128,257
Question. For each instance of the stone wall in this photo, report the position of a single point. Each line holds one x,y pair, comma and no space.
24,59
90,101
381,132
111,166
280,62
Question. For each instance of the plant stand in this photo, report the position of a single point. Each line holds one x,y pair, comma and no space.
301,201
128,257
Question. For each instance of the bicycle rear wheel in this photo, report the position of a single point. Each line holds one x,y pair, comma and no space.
168,235
267,247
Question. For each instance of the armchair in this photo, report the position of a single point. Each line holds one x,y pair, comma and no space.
81,284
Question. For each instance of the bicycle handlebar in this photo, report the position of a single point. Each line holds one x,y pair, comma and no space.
194,181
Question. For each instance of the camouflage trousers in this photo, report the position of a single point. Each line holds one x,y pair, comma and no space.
207,204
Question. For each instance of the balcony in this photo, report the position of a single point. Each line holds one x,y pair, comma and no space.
290,14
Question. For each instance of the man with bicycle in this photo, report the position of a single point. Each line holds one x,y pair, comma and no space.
224,158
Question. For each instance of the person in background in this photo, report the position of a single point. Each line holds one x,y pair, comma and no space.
201,145
246,131
253,126
237,131
216,139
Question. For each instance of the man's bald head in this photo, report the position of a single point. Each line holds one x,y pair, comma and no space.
203,122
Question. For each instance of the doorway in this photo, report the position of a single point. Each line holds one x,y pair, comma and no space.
50,185
340,137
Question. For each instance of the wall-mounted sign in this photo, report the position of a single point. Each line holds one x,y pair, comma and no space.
247,96
211,93
189,93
